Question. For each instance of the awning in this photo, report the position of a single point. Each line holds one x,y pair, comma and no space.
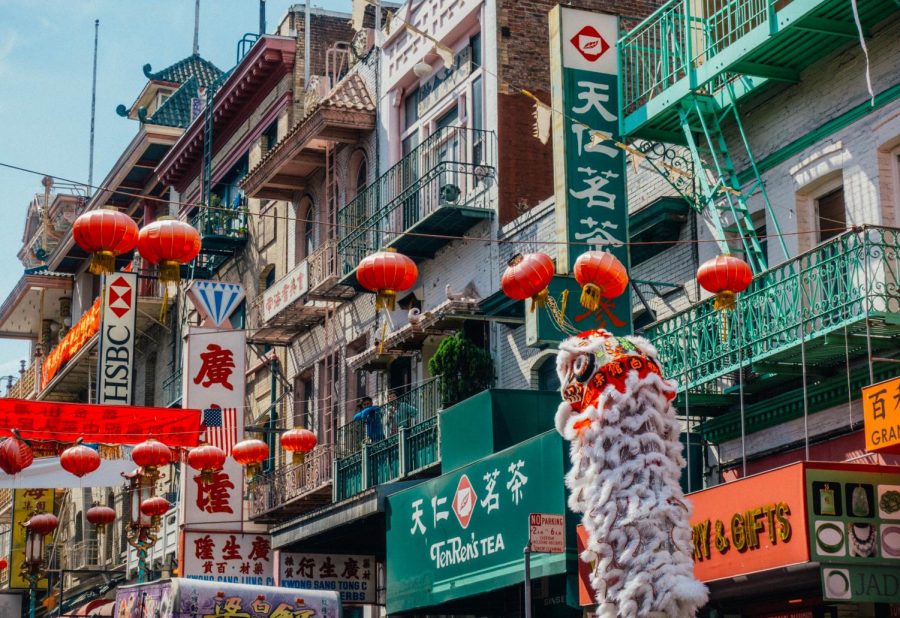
97,607
445,319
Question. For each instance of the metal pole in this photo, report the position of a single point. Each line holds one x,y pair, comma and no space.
32,585
93,111
527,553
197,27
262,17
62,576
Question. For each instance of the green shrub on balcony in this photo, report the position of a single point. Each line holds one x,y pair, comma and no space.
466,368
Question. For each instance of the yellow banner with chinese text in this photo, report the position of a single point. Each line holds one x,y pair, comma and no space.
25,503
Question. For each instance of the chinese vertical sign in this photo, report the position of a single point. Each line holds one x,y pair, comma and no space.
881,414
117,331
215,382
588,168
352,576
26,502
462,533
229,557
285,291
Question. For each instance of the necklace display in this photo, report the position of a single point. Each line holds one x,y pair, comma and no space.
862,540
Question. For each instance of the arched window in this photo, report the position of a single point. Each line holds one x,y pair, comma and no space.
548,379
362,174
309,229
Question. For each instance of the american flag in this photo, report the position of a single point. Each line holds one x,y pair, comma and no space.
221,427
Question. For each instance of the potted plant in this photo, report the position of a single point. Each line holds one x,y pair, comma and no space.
466,368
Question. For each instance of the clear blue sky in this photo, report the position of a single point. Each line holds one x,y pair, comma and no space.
46,49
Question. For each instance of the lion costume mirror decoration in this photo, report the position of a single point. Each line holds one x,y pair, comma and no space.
626,463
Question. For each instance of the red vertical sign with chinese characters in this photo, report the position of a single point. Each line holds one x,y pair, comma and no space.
214,382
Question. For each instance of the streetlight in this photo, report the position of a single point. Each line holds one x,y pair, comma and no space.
142,526
36,528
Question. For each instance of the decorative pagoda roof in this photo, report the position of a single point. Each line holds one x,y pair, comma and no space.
180,72
176,110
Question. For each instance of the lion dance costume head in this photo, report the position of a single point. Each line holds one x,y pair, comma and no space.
626,463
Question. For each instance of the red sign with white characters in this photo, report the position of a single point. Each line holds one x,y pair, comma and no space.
464,501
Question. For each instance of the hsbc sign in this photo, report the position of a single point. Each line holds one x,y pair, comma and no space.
115,373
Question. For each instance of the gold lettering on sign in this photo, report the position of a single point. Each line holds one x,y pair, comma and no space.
744,531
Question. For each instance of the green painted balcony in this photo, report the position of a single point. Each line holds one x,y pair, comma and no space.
437,191
402,442
223,233
817,313
172,388
710,46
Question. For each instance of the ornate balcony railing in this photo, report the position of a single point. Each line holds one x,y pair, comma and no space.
24,387
401,442
409,409
838,284
82,555
172,389
222,221
451,167
269,491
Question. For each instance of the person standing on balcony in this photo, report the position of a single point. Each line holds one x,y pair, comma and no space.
398,414
370,414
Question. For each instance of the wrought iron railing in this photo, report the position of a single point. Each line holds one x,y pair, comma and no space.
222,221
451,167
269,491
395,412
679,37
82,555
172,388
851,277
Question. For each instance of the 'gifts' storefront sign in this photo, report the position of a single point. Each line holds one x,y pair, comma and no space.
750,525
462,533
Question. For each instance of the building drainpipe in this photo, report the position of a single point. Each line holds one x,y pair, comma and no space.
273,413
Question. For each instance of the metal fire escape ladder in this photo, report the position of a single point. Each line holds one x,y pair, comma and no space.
723,196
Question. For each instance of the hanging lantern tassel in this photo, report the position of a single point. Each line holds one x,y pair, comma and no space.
724,300
169,272
385,299
600,275
102,262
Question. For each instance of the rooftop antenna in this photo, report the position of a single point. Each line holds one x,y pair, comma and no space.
197,27
90,186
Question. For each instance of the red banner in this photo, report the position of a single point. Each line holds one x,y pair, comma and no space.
66,422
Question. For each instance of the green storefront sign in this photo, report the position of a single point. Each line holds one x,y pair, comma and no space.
463,533
854,531
589,168
877,584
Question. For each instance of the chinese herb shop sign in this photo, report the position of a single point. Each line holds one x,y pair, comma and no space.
589,169
351,576
463,533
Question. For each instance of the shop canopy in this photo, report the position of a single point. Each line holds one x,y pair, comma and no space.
67,422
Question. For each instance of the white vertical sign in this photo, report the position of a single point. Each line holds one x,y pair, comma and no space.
115,383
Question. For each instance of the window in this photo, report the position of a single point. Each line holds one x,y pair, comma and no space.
411,109
304,230
548,379
309,230
475,44
831,214
361,176
270,137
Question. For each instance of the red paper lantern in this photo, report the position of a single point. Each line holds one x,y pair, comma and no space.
150,455
207,459
105,233
527,276
724,276
298,440
600,275
169,243
386,273
79,460
250,452
43,523
100,516
155,506
15,455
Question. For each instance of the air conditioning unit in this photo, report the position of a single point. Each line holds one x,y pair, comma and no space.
450,194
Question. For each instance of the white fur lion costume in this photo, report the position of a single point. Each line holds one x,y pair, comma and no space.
626,463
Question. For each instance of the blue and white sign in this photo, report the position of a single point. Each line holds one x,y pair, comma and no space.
216,300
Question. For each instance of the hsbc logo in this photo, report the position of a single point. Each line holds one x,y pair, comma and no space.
121,296
589,43
116,358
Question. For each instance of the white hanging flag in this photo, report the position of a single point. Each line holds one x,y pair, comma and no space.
542,121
